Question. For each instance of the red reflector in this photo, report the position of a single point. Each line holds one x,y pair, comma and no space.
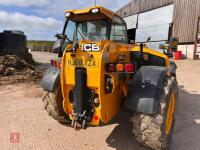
111,67
96,117
57,64
70,112
129,67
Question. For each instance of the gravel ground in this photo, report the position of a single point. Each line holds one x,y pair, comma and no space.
25,125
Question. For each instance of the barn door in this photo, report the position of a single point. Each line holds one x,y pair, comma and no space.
197,45
155,24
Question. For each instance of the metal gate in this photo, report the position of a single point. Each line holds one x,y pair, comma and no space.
197,45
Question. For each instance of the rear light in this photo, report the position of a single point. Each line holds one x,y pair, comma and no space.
95,10
56,64
96,117
67,14
111,67
120,67
70,112
129,67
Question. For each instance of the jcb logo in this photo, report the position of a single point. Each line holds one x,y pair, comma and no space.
90,47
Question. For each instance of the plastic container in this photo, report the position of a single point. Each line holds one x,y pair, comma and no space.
12,42
178,55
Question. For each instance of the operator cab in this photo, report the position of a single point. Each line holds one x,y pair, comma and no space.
94,24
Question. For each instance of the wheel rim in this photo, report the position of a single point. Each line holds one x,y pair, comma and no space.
170,113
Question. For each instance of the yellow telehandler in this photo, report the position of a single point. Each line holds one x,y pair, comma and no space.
98,72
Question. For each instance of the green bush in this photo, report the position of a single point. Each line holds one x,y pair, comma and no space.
40,45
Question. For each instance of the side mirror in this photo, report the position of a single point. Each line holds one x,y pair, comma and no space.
149,38
58,43
64,37
57,47
60,36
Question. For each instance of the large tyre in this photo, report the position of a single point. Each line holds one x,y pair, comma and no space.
53,103
155,131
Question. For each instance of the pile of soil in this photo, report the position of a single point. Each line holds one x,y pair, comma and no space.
15,69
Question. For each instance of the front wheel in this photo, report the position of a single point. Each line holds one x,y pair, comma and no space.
155,131
53,103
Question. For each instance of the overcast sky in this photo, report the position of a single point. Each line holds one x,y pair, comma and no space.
41,19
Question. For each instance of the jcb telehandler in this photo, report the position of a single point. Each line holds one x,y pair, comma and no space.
98,72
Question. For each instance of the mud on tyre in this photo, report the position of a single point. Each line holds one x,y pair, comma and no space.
156,131
53,103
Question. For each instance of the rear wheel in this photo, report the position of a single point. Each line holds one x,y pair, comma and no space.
53,103
156,131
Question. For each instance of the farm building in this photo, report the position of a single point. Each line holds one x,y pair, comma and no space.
163,19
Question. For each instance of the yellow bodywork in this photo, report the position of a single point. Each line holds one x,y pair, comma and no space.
109,52
86,14
109,103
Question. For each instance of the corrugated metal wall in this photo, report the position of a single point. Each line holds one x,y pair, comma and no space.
139,6
186,13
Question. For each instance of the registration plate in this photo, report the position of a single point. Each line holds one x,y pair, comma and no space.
82,63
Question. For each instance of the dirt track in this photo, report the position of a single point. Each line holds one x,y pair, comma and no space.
22,112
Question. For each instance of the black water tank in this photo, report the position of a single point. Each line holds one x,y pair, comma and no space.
12,42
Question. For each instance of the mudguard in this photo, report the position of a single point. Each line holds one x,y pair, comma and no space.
144,89
50,79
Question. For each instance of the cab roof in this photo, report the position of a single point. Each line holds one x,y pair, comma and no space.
85,14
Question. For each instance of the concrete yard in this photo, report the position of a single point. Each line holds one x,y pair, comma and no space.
25,125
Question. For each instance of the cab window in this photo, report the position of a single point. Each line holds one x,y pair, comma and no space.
92,30
118,30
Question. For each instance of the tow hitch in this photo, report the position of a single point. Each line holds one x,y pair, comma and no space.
79,120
